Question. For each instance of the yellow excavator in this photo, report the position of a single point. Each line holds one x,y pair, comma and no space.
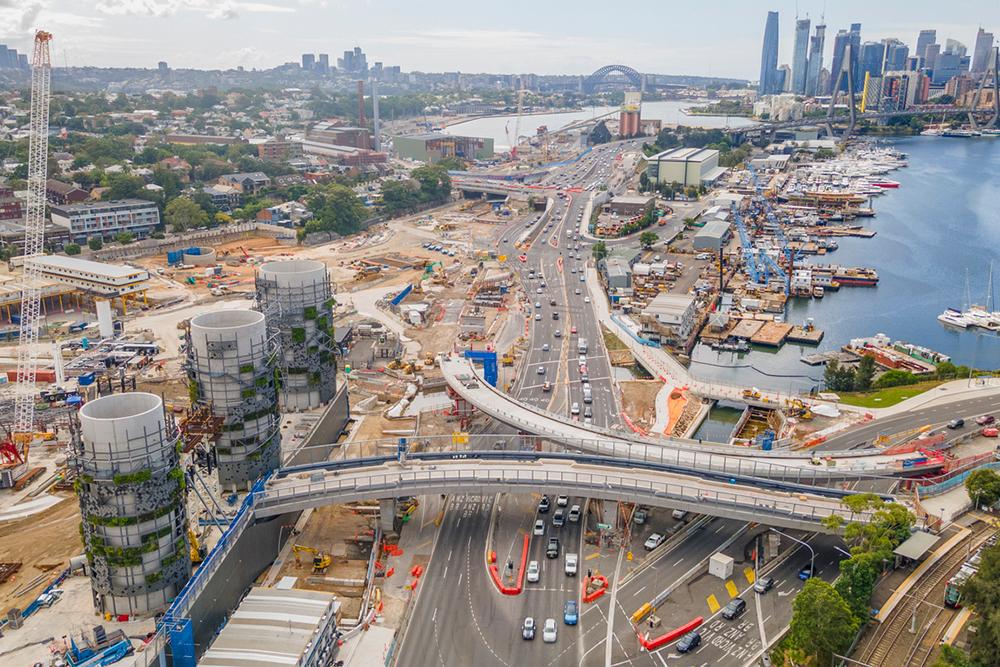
321,561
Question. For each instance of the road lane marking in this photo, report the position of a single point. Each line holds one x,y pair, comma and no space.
713,604
731,588
679,561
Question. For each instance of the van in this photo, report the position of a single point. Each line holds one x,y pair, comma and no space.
679,515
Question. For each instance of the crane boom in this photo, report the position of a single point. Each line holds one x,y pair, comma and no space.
517,123
34,239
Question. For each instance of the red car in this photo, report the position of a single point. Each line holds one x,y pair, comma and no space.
985,420
990,432
572,330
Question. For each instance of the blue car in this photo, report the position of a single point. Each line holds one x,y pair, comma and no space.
570,616
806,573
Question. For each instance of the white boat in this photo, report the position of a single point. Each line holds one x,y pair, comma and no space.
954,317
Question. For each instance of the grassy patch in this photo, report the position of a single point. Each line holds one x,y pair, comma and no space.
886,397
611,341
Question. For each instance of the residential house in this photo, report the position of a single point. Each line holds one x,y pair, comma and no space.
59,193
247,182
224,197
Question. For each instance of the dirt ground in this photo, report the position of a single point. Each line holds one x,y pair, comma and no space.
333,529
42,543
638,400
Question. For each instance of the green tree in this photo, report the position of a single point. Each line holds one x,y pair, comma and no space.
335,209
95,243
983,487
72,248
435,184
599,250
183,213
124,238
643,182
647,239
895,378
123,186
858,575
951,657
822,622
982,593
399,196
864,373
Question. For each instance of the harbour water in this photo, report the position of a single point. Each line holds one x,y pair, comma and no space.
943,220
668,111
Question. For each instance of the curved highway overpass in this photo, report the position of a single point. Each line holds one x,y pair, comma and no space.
778,504
463,378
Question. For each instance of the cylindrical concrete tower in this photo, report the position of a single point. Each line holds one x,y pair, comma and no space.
132,503
295,296
231,367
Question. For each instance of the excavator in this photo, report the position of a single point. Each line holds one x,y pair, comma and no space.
321,561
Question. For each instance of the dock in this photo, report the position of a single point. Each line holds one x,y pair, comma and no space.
859,232
821,358
747,328
772,334
800,334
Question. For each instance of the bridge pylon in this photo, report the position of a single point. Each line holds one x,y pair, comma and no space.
847,65
992,68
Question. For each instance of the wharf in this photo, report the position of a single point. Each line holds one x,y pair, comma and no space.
860,232
772,334
821,358
799,334
746,329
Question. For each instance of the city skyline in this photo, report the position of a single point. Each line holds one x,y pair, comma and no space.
547,39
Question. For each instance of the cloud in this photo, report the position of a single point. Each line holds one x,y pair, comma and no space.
226,11
161,8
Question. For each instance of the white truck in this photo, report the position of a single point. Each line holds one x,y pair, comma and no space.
581,346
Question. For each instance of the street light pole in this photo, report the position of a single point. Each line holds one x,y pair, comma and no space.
812,552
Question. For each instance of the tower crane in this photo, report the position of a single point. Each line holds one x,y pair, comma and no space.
34,241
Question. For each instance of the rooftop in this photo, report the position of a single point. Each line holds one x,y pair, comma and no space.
115,203
717,228
85,266
271,627
668,304
640,200
684,155
428,136
916,545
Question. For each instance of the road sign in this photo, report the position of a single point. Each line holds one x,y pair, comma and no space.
502,258
603,526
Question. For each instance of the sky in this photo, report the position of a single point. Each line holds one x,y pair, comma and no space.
718,38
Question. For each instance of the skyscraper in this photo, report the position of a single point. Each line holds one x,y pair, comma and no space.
930,56
816,43
981,51
924,39
840,42
800,57
323,66
308,61
769,57
870,60
896,55
955,47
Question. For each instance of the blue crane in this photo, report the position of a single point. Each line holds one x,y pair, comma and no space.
747,247
775,228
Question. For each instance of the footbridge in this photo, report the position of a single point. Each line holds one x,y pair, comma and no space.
465,381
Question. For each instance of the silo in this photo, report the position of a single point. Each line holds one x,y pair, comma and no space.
132,503
231,368
295,296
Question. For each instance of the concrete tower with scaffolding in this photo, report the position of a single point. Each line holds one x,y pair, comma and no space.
231,365
296,298
132,503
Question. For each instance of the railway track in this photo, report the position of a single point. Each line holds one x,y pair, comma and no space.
888,646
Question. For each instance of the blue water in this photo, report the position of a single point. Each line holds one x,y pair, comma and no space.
943,220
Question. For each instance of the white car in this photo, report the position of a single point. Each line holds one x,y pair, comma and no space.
539,528
534,572
549,631
562,501
653,541
586,299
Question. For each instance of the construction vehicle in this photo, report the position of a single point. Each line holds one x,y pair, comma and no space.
507,359
106,648
198,550
753,394
321,561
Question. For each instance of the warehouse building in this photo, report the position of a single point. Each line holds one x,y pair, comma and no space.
628,205
271,626
687,166
712,237
107,218
616,272
669,318
435,147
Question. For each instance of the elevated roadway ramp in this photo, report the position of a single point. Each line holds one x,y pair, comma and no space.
465,380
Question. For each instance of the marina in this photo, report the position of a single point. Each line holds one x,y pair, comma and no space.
920,262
